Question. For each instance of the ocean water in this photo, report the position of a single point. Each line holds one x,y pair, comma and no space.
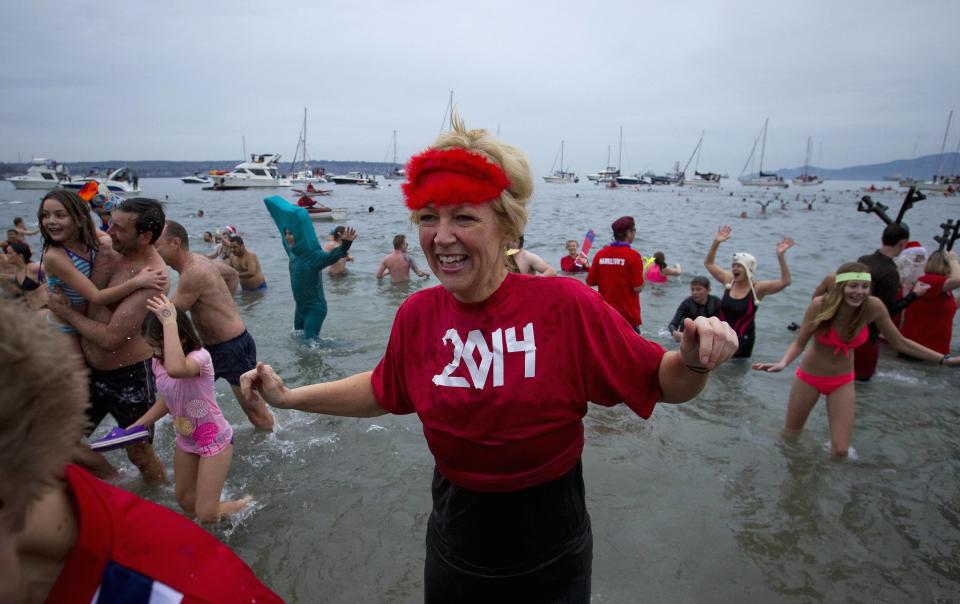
704,502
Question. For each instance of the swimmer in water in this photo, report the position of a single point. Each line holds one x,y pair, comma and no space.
839,321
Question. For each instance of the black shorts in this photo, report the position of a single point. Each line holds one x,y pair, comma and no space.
234,357
125,393
533,545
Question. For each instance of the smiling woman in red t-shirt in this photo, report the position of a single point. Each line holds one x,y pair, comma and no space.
929,320
499,368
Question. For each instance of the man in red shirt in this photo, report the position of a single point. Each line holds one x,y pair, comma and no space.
618,271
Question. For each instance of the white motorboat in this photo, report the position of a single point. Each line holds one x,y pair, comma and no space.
807,179
761,179
702,180
308,177
634,180
260,172
354,178
42,175
606,175
121,182
196,179
398,173
560,176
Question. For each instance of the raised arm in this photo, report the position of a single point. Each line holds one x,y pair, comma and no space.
766,288
710,262
318,259
177,364
349,397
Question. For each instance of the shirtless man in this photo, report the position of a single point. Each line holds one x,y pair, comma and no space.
399,263
529,263
339,267
247,264
121,374
202,292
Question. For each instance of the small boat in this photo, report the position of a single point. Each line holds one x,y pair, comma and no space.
353,178
42,175
761,179
333,214
260,172
606,175
196,179
703,180
561,175
121,182
311,192
398,173
634,180
806,179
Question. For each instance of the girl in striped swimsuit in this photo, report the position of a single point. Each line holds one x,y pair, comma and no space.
69,247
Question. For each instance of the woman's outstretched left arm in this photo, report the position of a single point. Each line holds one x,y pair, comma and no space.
881,318
349,397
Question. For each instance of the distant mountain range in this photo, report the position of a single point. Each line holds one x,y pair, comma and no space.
921,167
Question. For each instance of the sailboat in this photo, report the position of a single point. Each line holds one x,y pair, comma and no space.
561,175
806,179
305,175
608,173
941,183
761,179
397,173
702,180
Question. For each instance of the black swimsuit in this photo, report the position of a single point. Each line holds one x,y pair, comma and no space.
739,313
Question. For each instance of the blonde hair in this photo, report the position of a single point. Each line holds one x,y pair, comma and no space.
832,301
41,405
511,206
937,264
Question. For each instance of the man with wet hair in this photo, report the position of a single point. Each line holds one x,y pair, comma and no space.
202,292
339,267
247,264
399,263
121,375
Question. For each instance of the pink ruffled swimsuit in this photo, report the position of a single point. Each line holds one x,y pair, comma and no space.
200,425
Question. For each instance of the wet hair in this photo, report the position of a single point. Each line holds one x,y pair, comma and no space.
511,207
701,281
175,230
337,232
237,239
660,260
150,216
79,212
398,241
17,221
573,241
834,298
152,329
895,233
937,264
42,408
13,232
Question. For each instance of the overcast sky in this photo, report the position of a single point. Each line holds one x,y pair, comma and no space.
186,80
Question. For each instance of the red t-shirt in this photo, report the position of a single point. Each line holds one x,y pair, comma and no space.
131,550
570,265
501,385
617,269
929,320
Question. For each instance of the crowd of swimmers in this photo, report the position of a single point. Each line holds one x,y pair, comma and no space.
102,289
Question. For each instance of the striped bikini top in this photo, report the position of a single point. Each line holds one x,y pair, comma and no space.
84,265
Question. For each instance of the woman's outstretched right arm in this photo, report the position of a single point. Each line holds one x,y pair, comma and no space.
349,397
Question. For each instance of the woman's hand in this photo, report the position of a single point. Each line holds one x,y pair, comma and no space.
152,278
265,380
784,245
723,233
349,234
769,367
163,308
707,342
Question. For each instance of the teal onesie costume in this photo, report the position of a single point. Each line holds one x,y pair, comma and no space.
307,259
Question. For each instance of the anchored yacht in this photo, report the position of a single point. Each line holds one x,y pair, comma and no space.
43,175
260,172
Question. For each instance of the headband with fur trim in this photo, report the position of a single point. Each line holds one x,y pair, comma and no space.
452,177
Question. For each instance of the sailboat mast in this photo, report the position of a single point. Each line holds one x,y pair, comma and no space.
561,156
303,160
620,158
395,148
943,145
763,147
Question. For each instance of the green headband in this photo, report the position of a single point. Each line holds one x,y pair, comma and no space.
852,277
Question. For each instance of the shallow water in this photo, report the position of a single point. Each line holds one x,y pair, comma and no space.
704,502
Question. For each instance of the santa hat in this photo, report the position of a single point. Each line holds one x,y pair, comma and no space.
914,249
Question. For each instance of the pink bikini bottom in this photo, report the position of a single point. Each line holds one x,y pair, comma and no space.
825,384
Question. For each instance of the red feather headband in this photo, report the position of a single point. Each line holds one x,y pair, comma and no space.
452,177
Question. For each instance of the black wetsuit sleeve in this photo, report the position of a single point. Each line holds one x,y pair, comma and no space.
901,304
683,311
345,245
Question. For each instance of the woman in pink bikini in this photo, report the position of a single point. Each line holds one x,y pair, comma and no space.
839,320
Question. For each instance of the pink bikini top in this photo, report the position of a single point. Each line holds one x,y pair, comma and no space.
832,338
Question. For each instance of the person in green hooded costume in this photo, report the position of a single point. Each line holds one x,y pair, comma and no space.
307,259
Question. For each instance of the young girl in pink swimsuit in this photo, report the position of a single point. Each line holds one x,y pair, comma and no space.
839,320
184,374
